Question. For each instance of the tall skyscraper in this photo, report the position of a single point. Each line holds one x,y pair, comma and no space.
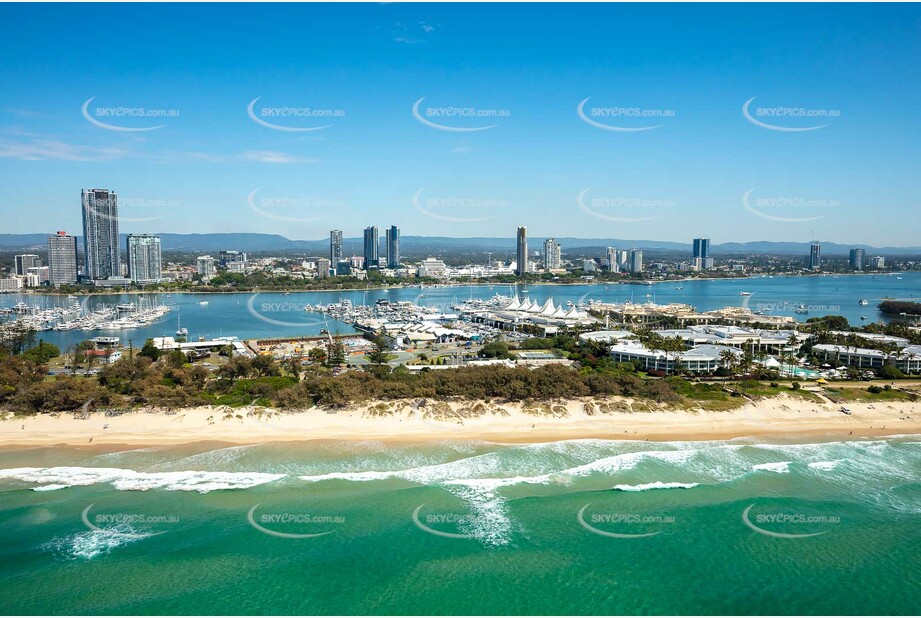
393,246
552,254
205,266
815,256
521,252
702,248
335,246
144,258
26,261
636,261
856,259
372,247
62,259
100,234
611,257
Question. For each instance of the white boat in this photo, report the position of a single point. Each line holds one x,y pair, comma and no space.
745,293
203,303
863,301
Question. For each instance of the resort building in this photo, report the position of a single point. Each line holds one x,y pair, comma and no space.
698,359
907,360
749,339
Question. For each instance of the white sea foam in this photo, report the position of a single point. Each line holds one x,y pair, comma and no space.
655,485
825,466
87,545
780,467
131,480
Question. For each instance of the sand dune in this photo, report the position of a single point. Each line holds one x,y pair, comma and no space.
410,421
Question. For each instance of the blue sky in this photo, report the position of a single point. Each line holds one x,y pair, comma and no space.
691,67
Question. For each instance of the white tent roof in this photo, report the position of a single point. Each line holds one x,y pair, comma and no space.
548,309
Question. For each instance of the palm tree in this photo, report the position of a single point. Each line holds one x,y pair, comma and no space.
728,359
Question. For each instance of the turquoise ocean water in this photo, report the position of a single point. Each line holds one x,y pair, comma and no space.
571,527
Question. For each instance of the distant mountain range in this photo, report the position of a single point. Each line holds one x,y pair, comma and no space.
256,243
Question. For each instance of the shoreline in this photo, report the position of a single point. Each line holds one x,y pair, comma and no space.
295,290
783,418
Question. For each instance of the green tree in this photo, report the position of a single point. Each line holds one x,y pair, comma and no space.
335,353
150,350
317,356
380,354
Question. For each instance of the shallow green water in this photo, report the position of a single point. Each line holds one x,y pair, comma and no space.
522,529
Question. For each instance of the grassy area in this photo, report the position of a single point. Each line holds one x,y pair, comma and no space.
844,395
764,389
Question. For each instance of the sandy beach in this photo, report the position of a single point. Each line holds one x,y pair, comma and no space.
781,418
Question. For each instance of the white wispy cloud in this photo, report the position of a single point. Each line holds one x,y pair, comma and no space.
273,156
411,33
256,156
42,149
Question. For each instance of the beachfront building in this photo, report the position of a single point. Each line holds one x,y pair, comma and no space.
62,259
752,340
698,359
908,359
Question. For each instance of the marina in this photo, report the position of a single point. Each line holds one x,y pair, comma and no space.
249,315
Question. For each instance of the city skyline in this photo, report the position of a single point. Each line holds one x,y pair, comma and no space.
214,168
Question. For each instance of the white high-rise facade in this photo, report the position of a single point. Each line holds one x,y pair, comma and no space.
100,234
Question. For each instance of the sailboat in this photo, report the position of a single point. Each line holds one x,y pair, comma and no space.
180,331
